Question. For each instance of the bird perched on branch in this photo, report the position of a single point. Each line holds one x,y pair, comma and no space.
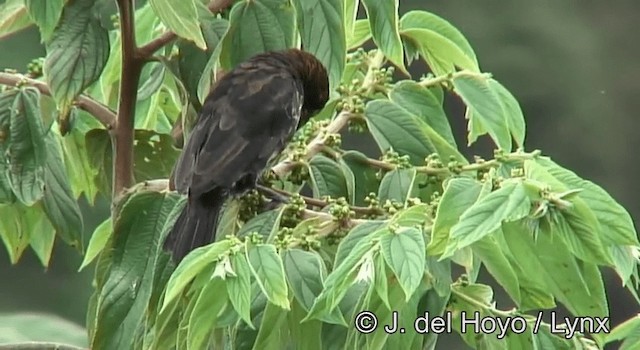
245,122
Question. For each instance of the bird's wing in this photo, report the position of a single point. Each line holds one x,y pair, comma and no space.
246,121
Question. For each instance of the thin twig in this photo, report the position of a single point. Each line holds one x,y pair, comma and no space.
439,80
379,164
101,112
316,202
147,50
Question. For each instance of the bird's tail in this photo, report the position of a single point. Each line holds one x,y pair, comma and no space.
195,226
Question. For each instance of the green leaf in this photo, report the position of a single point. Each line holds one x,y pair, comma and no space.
208,74
628,331
350,11
98,242
154,155
414,216
492,256
381,282
423,103
350,179
81,174
204,315
578,228
340,279
239,287
307,335
27,150
228,222
181,17
485,105
577,285
267,268
404,251
577,225
194,263
383,19
328,178
512,111
393,128
441,44
59,202
6,106
46,14
616,223
459,194
353,238
15,229
76,54
323,34
361,34
365,179
305,273
42,235
13,17
123,300
151,79
255,27
195,64
264,225
396,185
509,203
27,327
269,335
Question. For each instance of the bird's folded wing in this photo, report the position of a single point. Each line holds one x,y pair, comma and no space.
239,130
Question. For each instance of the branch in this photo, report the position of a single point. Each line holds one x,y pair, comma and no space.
380,164
101,112
147,50
123,135
316,145
375,163
322,203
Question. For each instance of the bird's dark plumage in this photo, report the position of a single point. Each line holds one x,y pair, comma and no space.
246,120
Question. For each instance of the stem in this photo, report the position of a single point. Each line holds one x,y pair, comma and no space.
520,156
123,135
321,203
448,78
101,112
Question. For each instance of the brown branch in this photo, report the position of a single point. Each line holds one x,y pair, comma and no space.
101,112
123,133
148,49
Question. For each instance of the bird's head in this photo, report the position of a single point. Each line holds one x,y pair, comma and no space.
314,78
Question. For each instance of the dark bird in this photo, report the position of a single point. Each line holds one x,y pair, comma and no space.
246,121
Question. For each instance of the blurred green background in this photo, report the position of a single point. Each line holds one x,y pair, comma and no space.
574,65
